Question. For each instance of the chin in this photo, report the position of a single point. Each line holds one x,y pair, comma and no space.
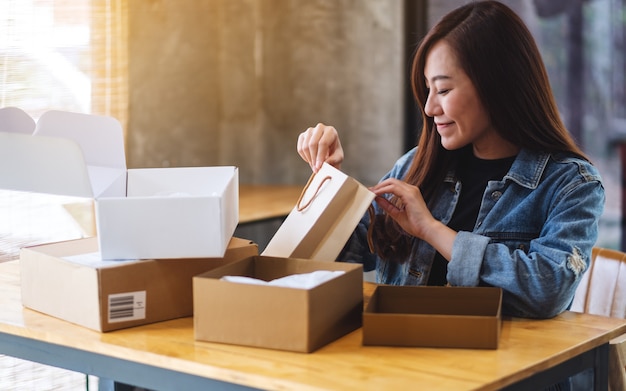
451,146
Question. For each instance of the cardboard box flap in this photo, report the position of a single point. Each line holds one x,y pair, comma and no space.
42,165
101,140
69,154
107,181
16,120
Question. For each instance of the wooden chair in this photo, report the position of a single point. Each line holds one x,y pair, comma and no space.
603,292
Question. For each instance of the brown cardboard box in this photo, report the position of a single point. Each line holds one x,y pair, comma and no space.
453,317
274,317
70,281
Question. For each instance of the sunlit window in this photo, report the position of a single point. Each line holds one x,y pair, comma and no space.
64,54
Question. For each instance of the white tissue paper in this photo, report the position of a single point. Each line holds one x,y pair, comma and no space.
298,281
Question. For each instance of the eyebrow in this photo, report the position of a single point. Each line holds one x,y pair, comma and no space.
439,77
435,78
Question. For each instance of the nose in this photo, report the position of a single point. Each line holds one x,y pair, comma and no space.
432,107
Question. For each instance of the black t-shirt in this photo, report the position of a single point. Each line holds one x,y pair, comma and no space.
474,174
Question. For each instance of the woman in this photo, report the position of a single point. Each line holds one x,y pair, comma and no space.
496,193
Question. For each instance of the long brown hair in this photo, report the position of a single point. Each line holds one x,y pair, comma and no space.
498,53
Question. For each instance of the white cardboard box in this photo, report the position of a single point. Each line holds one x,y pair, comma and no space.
147,213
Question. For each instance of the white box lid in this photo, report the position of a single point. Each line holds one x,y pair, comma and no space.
68,153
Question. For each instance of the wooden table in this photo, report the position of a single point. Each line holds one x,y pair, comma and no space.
263,202
262,210
165,356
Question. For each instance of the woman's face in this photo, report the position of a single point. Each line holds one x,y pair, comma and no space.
457,111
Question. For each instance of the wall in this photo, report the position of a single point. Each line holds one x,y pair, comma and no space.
524,8
233,82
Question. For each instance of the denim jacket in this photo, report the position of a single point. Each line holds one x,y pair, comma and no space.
533,235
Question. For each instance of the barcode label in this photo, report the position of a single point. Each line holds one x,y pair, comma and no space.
127,306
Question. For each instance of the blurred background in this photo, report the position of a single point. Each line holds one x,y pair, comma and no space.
233,82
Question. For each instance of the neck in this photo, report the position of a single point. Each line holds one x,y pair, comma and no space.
498,150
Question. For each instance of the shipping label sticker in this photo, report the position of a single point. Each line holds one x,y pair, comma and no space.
127,306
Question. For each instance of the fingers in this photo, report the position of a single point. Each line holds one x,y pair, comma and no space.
320,144
392,186
408,208
388,207
307,149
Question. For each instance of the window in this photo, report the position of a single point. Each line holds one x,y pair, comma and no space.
583,46
64,54
57,54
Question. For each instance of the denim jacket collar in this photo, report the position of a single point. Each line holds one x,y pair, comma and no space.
526,170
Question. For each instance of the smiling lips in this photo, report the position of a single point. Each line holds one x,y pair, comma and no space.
442,125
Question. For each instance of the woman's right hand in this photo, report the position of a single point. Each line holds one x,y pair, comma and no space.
320,144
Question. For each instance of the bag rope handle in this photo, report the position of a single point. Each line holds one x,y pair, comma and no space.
370,229
299,207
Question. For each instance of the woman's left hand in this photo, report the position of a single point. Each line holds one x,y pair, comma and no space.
411,212
413,215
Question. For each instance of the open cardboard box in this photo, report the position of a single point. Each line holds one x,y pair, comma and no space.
293,319
70,281
144,213
424,316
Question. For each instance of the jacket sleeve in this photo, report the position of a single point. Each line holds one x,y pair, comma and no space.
538,282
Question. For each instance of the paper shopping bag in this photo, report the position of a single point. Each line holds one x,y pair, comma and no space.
322,221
